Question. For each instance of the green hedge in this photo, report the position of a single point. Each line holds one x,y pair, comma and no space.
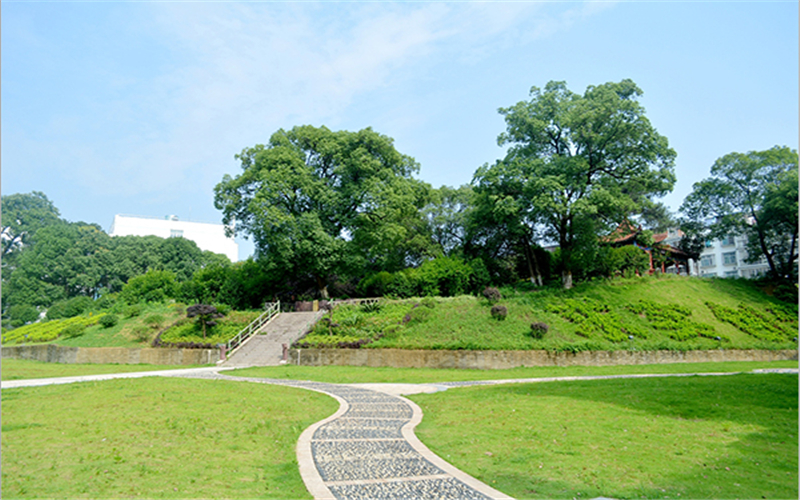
775,325
47,330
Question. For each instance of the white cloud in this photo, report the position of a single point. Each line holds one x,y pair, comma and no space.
243,70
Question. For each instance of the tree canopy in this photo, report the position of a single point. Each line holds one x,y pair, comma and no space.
23,215
580,161
319,202
753,194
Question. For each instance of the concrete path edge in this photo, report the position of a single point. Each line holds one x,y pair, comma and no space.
305,457
413,440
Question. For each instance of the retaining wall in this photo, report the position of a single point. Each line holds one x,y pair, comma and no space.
118,355
493,360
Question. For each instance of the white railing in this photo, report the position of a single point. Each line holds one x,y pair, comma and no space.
272,310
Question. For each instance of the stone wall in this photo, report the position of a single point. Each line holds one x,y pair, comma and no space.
493,360
118,355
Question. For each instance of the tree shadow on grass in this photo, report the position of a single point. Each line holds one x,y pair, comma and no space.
760,464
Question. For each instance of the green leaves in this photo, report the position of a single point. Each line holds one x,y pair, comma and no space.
753,194
319,202
578,162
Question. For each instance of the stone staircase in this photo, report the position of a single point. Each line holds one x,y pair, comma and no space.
266,347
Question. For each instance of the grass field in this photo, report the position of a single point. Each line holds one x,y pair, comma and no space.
364,374
638,438
156,438
16,369
697,437
466,323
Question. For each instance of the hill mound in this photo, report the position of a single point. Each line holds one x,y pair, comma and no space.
649,313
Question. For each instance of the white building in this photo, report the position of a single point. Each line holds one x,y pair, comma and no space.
206,236
725,258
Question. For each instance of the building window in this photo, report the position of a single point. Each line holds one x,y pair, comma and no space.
728,241
731,274
707,261
176,233
729,258
709,275
709,244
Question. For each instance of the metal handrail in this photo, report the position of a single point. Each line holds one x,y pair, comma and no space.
273,309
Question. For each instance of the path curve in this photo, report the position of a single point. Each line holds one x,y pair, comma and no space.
368,449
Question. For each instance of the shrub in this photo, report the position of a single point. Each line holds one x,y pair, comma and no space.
141,333
538,329
445,276
371,307
428,302
492,294
73,330
499,312
154,320
69,308
206,314
632,259
153,286
109,320
223,309
417,315
376,285
22,314
132,311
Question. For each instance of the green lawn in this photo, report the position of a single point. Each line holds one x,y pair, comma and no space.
697,437
156,438
466,323
15,369
365,374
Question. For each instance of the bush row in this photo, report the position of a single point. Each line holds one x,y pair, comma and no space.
50,330
444,276
771,327
674,321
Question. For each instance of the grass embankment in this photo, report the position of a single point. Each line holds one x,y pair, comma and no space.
649,313
18,369
365,374
697,437
156,438
137,326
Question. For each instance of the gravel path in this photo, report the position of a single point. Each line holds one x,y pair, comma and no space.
368,450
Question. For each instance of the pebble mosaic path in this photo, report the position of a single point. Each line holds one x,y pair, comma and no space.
368,450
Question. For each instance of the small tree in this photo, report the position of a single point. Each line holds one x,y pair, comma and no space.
206,314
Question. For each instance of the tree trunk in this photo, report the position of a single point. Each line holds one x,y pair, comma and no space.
322,287
566,279
533,264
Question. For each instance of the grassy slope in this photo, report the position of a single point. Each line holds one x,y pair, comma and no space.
698,437
465,322
126,332
123,333
156,438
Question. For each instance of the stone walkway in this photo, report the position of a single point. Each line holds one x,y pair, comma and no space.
368,449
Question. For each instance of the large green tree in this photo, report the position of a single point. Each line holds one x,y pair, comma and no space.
319,203
753,194
504,220
23,215
587,159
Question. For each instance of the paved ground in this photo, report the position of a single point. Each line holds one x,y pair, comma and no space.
368,449
266,347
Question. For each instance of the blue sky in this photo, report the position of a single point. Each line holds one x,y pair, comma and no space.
139,107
